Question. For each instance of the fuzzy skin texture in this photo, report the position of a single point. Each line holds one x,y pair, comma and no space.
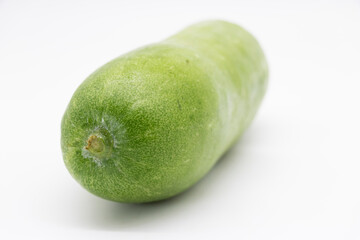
149,124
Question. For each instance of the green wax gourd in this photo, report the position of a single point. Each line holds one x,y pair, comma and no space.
149,124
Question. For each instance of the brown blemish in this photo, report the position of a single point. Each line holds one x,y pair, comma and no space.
179,105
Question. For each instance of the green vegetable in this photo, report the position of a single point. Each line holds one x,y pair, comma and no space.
151,123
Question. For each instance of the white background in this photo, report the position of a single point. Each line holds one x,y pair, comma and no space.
295,174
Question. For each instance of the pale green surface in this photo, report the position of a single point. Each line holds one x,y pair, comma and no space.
166,112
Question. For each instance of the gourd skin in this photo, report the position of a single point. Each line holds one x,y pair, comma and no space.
164,113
